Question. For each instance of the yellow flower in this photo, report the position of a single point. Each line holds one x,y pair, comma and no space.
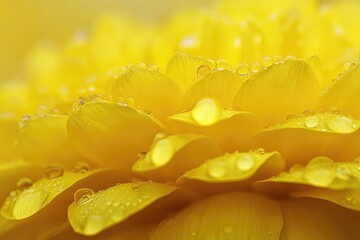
221,124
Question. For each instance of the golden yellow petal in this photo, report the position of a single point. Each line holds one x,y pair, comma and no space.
170,156
9,128
284,88
228,216
232,171
342,94
150,89
221,85
316,219
127,203
111,134
186,69
208,118
45,140
302,138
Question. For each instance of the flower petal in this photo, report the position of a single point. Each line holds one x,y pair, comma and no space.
184,69
281,89
9,129
171,156
150,89
208,118
221,85
343,93
326,134
46,139
111,134
119,204
227,216
232,171
316,219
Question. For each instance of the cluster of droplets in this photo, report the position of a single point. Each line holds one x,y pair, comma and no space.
41,112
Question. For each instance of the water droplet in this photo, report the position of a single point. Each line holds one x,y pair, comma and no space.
42,111
83,195
228,229
142,66
340,124
267,62
311,122
203,70
24,182
135,186
323,176
308,112
24,120
217,169
81,167
221,64
81,100
206,112
255,67
162,152
154,68
54,171
319,162
243,69
347,66
260,151
277,59
343,173
94,224
245,162
290,117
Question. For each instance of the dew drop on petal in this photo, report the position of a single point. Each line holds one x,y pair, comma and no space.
340,124
81,167
319,162
255,67
347,66
323,176
24,120
203,70
343,173
243,69
162,152
83,195
221,64
54,171
245,162
24,182
266,62
206,112
217,169
311,122
277,59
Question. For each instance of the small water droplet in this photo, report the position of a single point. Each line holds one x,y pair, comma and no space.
162,152
217,169
42,111
203,70
221,64
24,182
277,59
308,112
267,62
323,176
142,66
24,120
340,124
81,100
311,122
255,67
54,171
81,167
245,162
135,186
83,195
260,151
347,66
154,68
206,112
243,69
228,229
343,173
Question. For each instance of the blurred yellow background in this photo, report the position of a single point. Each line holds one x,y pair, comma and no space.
24,23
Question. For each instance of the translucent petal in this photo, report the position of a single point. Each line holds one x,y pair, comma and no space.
150,89
222,125
281,89
342,94
227,216
184,69
327,134
111,134
45,139
127,203
9,129
221,85
171,156
315,219
232,171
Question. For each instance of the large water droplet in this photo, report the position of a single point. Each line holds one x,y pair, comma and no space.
162,152
340,124
245,162
311,122
203,70
323,176
24,182
217,169
206,112
81,167
83,195
54,171
243,69
319,162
